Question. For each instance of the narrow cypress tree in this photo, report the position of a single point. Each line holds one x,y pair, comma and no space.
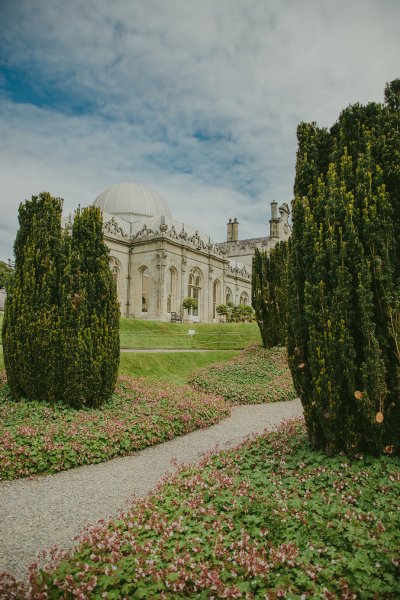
61,323
344,280
31,312
89,315
269,294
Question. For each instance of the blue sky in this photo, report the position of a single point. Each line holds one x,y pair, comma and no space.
200,99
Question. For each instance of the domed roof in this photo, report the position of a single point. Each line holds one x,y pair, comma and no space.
131,202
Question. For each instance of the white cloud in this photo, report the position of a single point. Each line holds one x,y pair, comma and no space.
198,99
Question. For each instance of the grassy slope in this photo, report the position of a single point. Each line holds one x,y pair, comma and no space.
174,367
212,336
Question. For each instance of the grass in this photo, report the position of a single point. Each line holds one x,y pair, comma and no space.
174,367
254,376
135,333
269,519
43,438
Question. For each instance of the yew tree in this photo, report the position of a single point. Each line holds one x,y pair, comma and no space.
344,279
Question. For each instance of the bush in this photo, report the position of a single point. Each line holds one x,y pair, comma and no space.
60,327
344,278
269,294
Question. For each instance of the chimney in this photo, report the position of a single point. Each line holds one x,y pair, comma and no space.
235,230
274,221
229,226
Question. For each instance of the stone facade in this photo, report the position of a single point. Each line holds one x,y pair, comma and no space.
157,261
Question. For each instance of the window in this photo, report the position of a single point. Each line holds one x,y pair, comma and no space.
194,288
228,296
244,298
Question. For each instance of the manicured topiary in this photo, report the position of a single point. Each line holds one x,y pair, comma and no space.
31,318
269,294
89,353
344,279
60,328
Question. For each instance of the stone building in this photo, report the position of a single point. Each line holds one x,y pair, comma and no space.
158,261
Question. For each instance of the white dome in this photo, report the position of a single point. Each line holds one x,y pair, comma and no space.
131,202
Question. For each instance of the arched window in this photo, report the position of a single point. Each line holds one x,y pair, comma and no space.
216,296
172,284
244,298
195,288
145,281
228,296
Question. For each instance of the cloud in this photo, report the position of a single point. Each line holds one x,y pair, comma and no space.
198,99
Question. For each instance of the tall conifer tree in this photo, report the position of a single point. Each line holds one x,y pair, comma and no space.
269,294
31,320
89,315
344,280
61,329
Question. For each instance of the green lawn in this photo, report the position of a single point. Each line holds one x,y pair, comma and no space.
174,367
213,336
269,519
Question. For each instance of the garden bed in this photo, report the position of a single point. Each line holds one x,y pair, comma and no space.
255,376
269,519
41,438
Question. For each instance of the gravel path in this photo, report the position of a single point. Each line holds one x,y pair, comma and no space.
35,514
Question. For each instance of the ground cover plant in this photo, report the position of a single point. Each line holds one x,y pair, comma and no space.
174,367
269,519
254,376
41,438
138,333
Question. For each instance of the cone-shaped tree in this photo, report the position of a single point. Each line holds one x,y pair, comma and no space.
61,329
31,317
89,315
269,294
344,293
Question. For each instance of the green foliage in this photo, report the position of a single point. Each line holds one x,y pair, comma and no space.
42,437
89,325
269,519
269,294
31,316
236,314
60,328
6,273
254,376
344,279
190,303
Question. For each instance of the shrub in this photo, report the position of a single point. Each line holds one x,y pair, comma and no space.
60,327
269,294
344,278
31,318
89,320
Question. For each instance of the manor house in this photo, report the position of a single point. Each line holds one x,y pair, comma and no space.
158,261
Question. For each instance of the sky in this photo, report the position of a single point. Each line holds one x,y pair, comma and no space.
198,99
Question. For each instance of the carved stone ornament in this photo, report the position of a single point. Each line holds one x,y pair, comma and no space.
113,228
